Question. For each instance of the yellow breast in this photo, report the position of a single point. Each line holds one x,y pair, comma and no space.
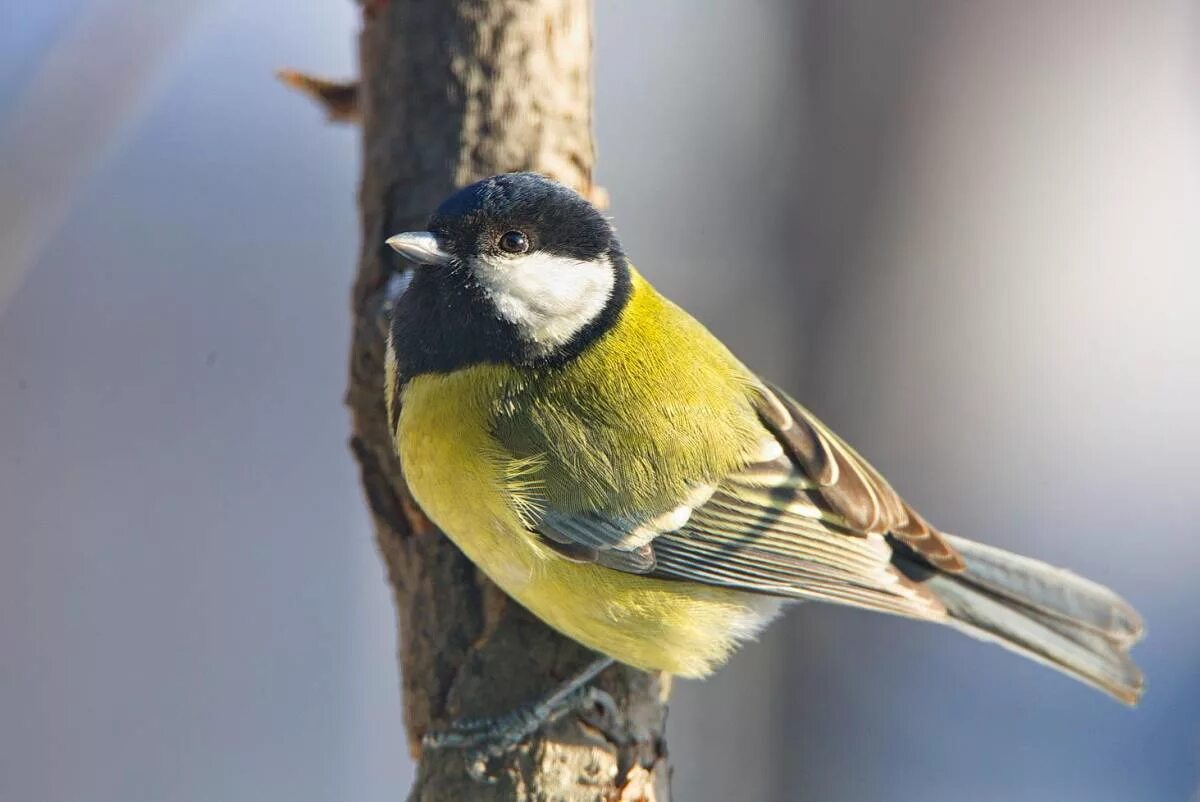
453,467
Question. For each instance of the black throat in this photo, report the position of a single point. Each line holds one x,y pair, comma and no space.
444,321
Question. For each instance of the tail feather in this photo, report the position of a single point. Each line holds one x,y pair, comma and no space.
1055,592
1045,613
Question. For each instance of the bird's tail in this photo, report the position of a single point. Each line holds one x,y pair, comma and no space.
1045,613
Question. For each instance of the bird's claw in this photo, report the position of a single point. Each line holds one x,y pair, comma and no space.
488,738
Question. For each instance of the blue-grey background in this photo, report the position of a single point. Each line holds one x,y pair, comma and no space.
966,234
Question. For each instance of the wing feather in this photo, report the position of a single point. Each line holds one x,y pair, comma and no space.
807,520
858,494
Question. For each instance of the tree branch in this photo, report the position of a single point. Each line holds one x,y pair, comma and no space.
452,92
339,99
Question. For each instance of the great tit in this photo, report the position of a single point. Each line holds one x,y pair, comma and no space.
609,464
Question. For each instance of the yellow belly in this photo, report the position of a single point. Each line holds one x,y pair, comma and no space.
450,462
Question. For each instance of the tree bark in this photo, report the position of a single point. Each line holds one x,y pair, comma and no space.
453,91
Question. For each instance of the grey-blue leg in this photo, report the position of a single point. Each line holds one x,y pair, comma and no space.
491,737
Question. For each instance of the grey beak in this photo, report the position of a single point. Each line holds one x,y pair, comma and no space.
420,247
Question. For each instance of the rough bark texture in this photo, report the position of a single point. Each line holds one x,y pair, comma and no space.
452,92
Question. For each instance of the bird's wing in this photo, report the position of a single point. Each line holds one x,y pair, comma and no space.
847,483
810,519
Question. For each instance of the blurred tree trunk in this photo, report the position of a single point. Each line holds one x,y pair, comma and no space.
452,92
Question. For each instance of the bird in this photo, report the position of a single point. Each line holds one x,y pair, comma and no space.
613,467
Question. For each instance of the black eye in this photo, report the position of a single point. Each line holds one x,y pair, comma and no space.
514,242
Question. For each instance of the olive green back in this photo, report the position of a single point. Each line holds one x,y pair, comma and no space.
655,406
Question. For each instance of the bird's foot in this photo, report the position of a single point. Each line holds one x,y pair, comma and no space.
488,738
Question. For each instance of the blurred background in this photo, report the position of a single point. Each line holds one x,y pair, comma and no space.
967,235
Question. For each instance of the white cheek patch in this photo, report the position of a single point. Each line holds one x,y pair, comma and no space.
548,298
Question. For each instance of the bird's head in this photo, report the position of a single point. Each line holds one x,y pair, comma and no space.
522,265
